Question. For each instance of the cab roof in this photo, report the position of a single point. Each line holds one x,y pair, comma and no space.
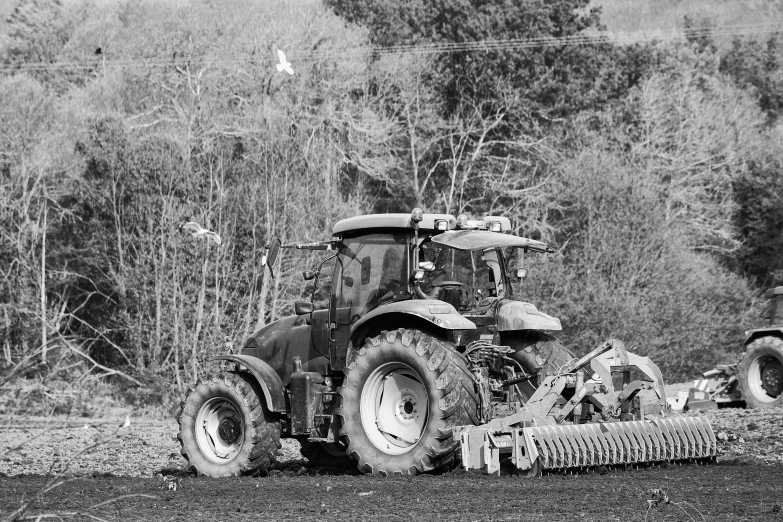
389,221
403,221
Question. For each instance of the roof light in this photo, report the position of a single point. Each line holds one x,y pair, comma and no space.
441,224
498,223
470,224
417,215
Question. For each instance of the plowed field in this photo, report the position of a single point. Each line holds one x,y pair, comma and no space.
143,458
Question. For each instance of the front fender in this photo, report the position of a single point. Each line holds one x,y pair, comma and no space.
752,335
267,378
444,316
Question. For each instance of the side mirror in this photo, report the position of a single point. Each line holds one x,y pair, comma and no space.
303,307
427,266
308,275
270,257
366,270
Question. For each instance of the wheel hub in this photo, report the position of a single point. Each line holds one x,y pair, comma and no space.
407,407
228,430
772,378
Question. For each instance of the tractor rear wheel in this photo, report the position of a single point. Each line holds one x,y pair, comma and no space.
402,395
225,429
761,373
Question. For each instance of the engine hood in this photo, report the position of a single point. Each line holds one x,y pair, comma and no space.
516,315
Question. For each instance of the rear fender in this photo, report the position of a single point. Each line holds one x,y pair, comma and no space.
440,314
267,378
416,314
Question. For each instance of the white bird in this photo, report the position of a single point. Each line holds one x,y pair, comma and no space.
284,65
202,232
127,421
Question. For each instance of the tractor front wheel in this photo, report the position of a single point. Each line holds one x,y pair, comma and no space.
761,373
224,428
402,395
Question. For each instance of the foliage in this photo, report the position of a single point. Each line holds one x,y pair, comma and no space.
641,165
549,81
756,67
759,220
620,273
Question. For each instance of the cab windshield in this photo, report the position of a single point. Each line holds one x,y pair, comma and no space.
464,278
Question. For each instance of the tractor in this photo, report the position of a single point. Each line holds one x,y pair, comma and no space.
424,357
756,380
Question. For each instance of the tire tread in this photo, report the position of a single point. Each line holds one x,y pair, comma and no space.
265,431
457,401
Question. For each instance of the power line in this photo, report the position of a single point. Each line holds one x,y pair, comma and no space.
416,49
583,39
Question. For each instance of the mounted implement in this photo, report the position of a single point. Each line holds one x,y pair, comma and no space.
597,426
425,351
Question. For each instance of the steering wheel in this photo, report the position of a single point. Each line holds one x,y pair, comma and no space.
437,286
382,293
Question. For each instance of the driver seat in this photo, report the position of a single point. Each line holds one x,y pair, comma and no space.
451,294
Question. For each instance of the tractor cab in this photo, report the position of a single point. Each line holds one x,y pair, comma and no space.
422,265
395,257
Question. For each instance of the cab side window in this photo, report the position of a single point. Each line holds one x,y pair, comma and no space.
368,268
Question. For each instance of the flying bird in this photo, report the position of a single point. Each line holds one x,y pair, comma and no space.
202,232
284,65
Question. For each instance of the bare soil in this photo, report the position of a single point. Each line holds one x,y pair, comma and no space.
143,458
720,492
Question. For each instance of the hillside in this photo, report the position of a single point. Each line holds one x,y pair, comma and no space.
639,15
663,15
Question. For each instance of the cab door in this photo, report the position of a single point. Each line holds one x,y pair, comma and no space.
367,267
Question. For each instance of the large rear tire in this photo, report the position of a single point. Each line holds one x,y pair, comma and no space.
225,429
761,373
402,395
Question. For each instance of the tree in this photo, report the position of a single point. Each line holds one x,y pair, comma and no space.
759,222
756,66
552,79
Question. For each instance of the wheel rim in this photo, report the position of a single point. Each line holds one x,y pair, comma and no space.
765,378
220,430
394,406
